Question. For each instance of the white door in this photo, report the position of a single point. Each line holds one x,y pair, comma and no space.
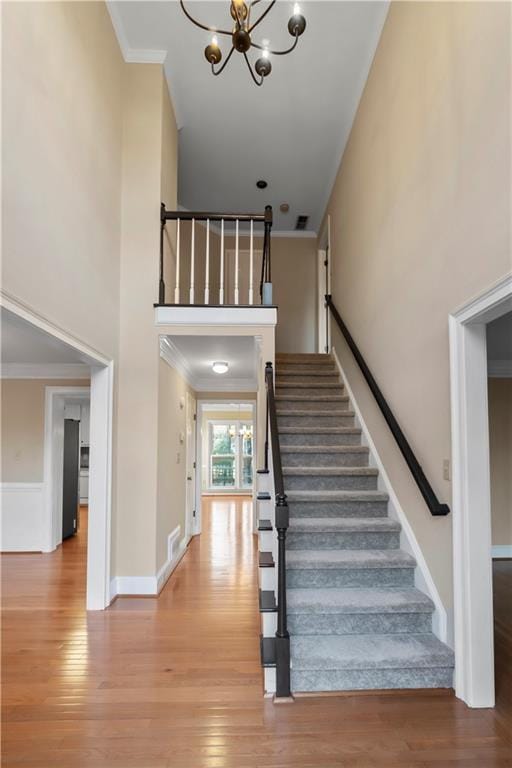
191,513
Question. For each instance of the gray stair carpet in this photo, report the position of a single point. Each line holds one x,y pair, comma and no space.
355,618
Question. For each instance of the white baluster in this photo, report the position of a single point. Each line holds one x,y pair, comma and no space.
221,286
236,263
192,258
251,257
207,275
177,286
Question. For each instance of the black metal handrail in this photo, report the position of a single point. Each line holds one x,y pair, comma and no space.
265,218
282,638
426,490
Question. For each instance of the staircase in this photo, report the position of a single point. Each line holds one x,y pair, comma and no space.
355,618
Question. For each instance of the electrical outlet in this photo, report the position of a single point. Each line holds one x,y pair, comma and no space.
447,475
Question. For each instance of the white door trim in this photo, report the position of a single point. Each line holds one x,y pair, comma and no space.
324,285
100,470
471,506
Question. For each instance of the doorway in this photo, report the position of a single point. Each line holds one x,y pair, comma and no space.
324,288
471,504
226,442
33,348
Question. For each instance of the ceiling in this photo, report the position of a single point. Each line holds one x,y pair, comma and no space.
23,343
290,132
193,356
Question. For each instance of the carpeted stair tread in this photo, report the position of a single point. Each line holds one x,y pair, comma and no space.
330,471
358,600
333,496
324,449
319,430
342,525
332,652
323,559
301,412
307,385
314,398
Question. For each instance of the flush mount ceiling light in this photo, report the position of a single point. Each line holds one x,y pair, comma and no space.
241,37
220,367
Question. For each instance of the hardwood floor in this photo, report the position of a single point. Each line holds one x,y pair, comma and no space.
175,682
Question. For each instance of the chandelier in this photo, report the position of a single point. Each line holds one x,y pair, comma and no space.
241,37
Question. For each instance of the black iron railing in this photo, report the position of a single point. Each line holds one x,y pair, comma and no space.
282,638
189,291
426,490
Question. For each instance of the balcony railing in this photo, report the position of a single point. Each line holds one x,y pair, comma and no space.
196,265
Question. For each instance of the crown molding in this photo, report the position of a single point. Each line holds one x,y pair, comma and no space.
45,371
132,55
144,56
170,353
499,369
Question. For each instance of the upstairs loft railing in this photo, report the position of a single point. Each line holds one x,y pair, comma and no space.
227,226
435,506
282,518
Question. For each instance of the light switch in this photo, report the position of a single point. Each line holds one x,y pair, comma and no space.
182,437
447,475
178,457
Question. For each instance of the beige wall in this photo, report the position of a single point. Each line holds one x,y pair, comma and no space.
421,223
149,171
294,282
171,491
89,151
22,427
500,438
61,165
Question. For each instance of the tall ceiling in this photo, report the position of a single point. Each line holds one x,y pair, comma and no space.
290,132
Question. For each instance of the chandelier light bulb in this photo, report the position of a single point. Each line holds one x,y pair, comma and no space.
296,9
265,53
215,40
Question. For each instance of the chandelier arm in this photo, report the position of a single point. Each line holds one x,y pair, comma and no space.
203,26
258,82
262,16
225,62
277,53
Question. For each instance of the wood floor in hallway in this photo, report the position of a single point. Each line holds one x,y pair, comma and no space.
175,682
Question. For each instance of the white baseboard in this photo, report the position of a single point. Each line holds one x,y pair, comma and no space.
152,585
501,550
21,517
423,577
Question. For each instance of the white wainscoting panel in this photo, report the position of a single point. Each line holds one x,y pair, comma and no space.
21,517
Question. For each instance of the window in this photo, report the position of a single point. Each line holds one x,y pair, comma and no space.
231,454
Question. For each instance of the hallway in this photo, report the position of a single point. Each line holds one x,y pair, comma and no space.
176,682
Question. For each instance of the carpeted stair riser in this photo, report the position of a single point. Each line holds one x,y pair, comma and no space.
337,508
308,378
301,436
374,679
349,577
297,389
352,540
311,369
339,482
346,458
317,403
322,419
358,623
